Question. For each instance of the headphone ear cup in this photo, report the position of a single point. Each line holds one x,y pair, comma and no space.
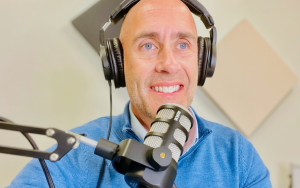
201,49
205,61
105,63
115,52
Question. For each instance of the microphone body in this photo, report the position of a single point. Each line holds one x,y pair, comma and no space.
168,130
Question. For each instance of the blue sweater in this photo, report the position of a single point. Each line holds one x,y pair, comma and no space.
222,157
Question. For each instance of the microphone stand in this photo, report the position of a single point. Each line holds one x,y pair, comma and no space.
65,142
147,168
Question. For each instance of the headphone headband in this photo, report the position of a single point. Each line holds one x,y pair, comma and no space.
198,9
195,7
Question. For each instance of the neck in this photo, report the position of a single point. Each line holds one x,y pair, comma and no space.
145,121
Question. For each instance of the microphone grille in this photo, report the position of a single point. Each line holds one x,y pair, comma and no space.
185,122
165,113
175,151
153,141
175,115
179,136
161,127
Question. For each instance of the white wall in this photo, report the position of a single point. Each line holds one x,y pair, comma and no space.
51,77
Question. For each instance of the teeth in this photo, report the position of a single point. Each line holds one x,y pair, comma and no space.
166,89
160,89
171,89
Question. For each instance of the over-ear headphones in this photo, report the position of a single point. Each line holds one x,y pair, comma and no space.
111,51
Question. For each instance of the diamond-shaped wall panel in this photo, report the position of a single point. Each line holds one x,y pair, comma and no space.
250,79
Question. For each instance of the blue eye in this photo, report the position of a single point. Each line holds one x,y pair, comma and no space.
148,46
182,45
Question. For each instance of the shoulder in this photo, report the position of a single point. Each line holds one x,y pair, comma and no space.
229,140
219,129
99,124
222,134
99,127
234,147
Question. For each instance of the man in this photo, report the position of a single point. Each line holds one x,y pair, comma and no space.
159,40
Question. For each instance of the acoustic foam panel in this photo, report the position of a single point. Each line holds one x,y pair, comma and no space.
91,21
250,79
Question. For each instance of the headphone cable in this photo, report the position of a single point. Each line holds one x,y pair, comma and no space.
108,134
42,161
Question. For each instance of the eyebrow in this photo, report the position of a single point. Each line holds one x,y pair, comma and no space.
156,35
184,35
145,35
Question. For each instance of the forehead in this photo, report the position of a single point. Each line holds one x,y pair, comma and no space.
160,17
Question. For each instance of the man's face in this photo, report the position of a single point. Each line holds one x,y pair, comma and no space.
159,39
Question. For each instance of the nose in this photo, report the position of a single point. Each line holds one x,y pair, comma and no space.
166,62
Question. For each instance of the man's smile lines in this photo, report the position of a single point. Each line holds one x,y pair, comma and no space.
166,89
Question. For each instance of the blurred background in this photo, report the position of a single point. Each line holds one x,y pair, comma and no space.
50,76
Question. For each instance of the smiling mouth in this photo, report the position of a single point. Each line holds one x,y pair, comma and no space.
166,89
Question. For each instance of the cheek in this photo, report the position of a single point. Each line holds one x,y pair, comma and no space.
195,71
194,66
135,73
191,69
129,63
136,67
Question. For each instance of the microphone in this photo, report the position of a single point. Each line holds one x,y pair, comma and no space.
169,132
